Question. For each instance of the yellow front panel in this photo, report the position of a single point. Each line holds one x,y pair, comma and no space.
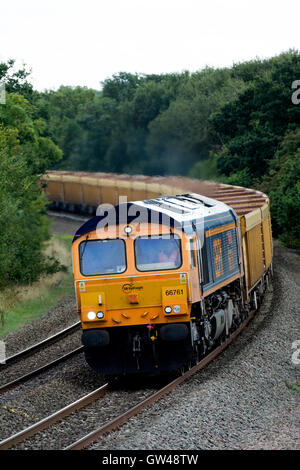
93,298
174,292
118,293
173,296
130,302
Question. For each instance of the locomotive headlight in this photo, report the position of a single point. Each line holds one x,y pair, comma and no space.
91,315
100,315
127,229
176,309
168,309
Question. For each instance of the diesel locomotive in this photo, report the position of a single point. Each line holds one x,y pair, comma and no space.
160,282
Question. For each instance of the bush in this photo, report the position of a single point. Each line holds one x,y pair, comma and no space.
283,187
24,155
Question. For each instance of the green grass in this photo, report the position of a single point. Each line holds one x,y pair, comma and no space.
294,386
65,239
22,304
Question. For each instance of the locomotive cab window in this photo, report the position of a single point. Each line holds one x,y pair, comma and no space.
157,252
99,257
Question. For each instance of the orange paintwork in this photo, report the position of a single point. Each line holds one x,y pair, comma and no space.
135,297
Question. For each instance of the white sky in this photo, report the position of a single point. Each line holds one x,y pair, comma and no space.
73,42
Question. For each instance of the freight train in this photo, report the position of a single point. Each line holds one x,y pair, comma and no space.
163,280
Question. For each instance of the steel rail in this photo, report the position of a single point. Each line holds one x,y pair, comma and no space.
39,370
66,215
35,347
122,419
53,418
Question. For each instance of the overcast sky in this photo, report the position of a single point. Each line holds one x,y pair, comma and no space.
74,42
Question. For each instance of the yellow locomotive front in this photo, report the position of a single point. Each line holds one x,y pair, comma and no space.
134,294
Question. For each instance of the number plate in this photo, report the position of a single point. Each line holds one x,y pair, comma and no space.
177,292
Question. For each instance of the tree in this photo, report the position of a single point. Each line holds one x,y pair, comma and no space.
24,155
283,186
60,110
40,152
121,86
182,132
251,127
15,80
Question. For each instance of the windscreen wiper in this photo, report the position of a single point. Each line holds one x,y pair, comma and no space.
82,251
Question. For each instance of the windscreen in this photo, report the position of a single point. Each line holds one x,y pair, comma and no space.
157,253
102,257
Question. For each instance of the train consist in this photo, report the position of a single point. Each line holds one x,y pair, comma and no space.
162,279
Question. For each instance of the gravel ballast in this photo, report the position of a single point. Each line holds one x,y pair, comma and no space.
241,400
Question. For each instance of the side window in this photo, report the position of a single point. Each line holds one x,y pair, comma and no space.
218,259
206,277
225,260
192,253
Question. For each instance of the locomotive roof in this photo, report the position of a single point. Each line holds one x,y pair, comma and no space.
183,211
185,206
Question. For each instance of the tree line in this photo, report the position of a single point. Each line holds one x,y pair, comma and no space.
237,125
26,152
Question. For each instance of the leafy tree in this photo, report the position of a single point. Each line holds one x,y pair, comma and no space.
205,169
15,80
184,128
39,151
23,227
24,155
60,110
283,187
121,86
97,120
225,124
251,127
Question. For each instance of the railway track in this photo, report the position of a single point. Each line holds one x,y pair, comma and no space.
36,348
112,425
242,200
40,345
22,379
53,418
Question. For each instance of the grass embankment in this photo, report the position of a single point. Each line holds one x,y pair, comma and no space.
21,304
